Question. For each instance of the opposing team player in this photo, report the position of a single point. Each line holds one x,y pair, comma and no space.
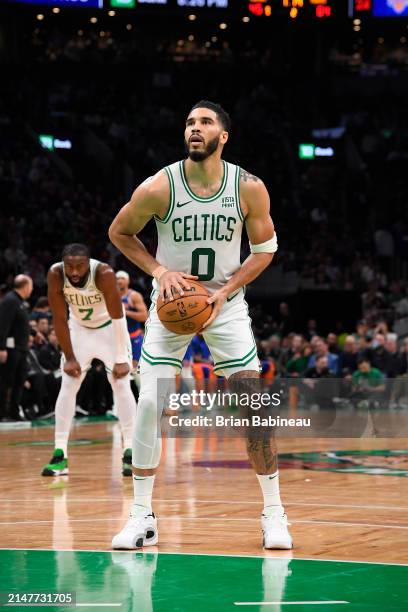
96,329
200,206
136,314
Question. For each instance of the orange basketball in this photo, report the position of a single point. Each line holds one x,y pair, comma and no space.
187,313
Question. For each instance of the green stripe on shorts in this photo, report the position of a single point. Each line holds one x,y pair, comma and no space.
235,365
163,360
228,361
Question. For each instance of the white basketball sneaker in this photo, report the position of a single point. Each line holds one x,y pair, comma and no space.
275,528
138,532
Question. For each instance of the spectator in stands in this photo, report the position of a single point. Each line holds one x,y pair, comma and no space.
332,343
391,345
381,358
368,382
297,364
318,390
14,337
41,309
320,349
43,326
34,395
348,357
399,394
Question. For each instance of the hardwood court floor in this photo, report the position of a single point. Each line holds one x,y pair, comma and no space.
206,497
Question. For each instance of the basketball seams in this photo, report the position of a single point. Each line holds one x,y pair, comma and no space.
187,318
181,298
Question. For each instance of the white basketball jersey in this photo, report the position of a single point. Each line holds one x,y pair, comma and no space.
201,236
86,304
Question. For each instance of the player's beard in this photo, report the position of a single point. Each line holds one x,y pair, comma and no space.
81,282
199,156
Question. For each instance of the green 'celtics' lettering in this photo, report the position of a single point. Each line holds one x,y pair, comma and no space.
187,228
205,226
217,234
176,237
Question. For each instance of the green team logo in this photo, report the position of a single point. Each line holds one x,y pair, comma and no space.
374,462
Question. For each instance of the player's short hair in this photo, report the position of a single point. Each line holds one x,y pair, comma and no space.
75,250
222,115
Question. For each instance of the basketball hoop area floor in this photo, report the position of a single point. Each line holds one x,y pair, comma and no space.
347,501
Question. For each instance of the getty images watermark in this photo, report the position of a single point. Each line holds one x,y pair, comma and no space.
254,410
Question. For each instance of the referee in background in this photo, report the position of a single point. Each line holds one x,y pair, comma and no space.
14,333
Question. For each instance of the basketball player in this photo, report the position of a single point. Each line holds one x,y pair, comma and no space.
136,313
96,329
200,206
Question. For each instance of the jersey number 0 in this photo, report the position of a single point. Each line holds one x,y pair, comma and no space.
203,259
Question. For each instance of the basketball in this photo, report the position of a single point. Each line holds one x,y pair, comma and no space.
187,313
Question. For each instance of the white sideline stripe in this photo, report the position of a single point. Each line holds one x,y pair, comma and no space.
201,554
214,519
99,605
199,501
286,603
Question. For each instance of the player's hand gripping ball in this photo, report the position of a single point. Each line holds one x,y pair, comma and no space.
185,314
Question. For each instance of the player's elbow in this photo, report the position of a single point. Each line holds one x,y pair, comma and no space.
113,233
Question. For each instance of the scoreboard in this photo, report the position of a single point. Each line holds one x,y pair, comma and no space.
320,9
380,8
259,9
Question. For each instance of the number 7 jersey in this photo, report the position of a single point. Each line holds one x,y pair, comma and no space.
201,236
86,304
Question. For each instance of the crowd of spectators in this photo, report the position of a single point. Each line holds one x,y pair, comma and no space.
362,366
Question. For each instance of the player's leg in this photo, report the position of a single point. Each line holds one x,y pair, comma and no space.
66,402
262,454
124,400
233,348
64,413
141,528
126,408
162,353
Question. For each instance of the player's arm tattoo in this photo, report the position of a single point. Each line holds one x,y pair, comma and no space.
247,176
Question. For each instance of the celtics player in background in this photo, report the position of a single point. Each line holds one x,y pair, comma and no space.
96,329
200,206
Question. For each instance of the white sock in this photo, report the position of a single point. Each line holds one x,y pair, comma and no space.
270,488
143,490
63,444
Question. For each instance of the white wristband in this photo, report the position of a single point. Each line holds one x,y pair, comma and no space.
157,272
270,246
121,334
